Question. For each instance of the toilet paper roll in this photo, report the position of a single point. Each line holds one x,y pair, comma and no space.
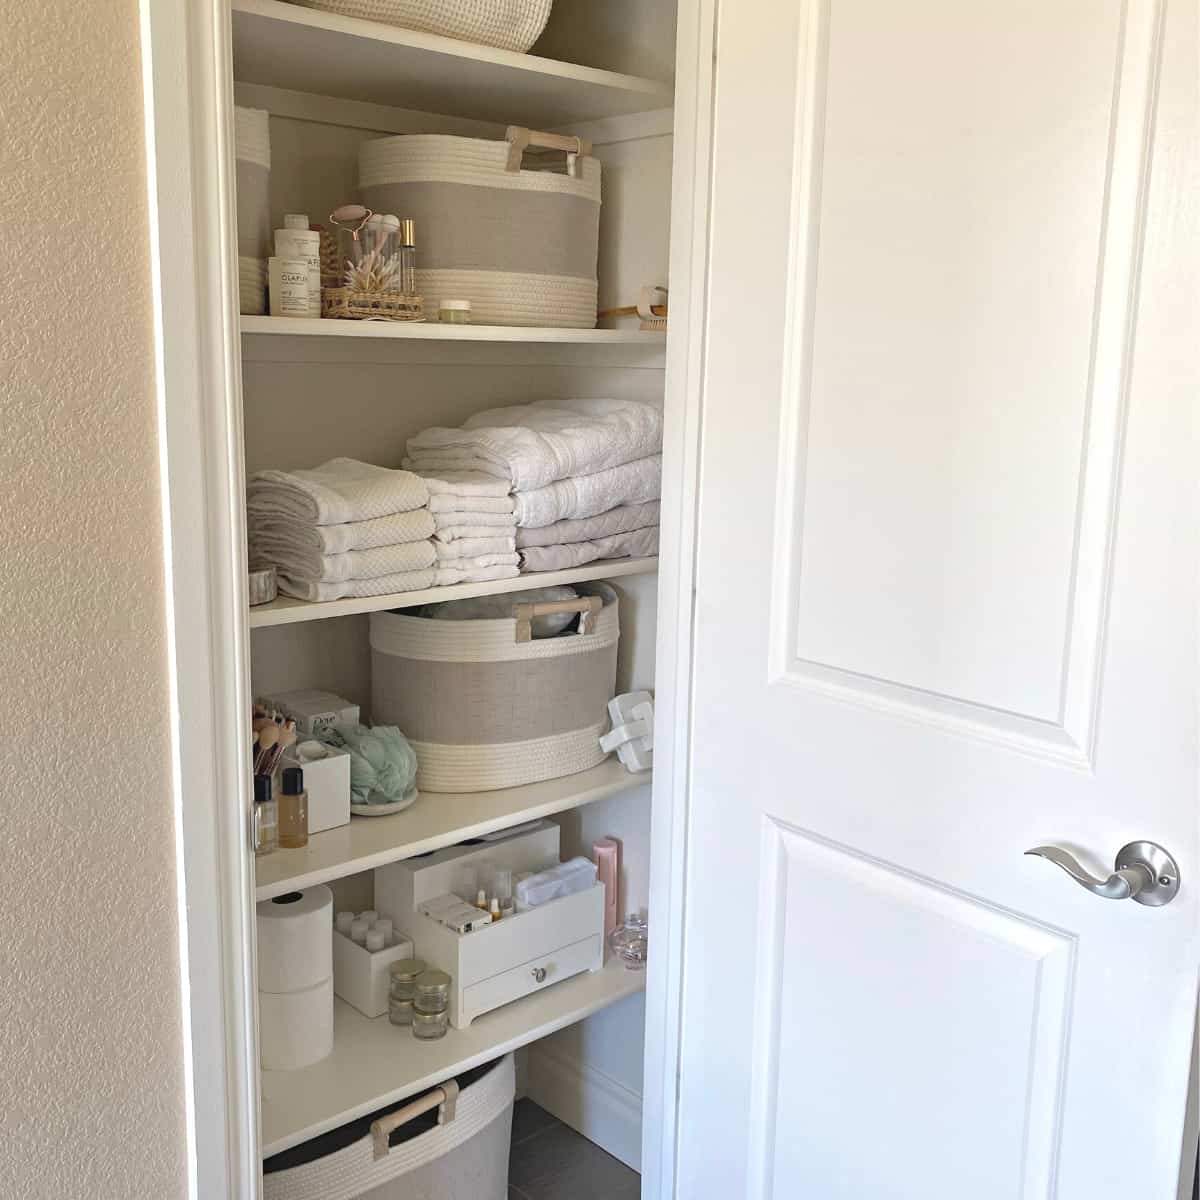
295,940
295,1029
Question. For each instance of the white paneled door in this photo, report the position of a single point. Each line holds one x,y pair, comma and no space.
946,604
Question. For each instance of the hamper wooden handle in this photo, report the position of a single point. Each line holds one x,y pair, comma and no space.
588,608
520,139
444,1098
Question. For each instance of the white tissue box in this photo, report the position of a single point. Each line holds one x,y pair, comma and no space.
327,781
314,710
360,976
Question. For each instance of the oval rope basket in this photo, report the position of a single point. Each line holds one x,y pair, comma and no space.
483,709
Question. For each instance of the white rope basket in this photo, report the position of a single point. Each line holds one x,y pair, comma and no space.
252,285
506,24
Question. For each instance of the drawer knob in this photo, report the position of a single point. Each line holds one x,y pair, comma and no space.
539,974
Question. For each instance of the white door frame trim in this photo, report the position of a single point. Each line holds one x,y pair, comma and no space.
695,71
188,95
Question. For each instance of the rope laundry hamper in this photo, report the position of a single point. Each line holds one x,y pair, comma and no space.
450,1144
252,148
520,244
506,24
486,706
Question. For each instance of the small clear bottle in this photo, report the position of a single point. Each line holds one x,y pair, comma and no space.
293,810
266,817
408,257
402,988
431,1003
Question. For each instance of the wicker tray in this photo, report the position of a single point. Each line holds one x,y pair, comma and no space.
345,305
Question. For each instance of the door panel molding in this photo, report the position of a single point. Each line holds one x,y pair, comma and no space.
1065,733
799,941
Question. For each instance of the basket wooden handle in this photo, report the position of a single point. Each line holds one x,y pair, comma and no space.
443,1098
520,139
588,608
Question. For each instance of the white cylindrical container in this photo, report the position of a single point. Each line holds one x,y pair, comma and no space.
343,921
376,940
384,925
294,946
358,930
290,287
295,240
295,1029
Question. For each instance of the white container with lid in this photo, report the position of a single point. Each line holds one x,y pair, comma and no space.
296,241
290,282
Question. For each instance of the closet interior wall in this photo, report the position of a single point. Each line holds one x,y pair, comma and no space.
307,398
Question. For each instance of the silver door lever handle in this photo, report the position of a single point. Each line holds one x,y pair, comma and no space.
1144,872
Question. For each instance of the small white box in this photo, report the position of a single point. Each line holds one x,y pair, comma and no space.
400,887
360,976
314,710
327,781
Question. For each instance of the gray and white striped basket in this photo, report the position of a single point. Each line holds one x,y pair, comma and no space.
484,709
506,24
252,149
520,244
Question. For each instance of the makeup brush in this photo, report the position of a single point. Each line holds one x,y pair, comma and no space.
267,738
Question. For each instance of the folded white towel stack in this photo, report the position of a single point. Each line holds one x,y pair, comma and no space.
583,478
343,529
474,527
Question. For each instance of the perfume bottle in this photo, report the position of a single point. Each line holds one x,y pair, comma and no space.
408,257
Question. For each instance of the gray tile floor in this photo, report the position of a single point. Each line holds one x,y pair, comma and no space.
550,1161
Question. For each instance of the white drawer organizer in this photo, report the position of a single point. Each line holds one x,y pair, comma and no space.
515,957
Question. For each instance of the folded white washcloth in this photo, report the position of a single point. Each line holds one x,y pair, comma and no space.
385,585
450,520
454,533
471,547
532,445
338,491
494,558
464,485
587,495
623,519
636,544
412,526
448,575
311,567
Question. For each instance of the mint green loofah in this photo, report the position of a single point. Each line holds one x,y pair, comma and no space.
383,766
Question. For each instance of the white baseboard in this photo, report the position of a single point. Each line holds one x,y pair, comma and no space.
603,1110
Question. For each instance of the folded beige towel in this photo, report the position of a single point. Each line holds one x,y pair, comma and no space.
310,567
447,575
637,544
408,581
340,490
352,535
473,547
451,520
454,533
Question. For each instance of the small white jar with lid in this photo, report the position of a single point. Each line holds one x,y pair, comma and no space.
454,312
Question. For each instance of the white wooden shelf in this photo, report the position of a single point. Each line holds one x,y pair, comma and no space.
375,1062
287,610
434,331
286,46
436,820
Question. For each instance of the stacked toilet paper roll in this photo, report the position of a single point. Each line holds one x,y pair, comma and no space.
295,979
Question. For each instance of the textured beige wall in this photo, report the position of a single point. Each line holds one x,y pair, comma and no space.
91,1088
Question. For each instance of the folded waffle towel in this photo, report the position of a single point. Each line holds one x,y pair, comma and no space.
471,547
451,520
448,575
637,544
353,535
622,519
532,445
491,558
588,495
310,567
340,490
384,585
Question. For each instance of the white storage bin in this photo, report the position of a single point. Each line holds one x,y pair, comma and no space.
520,245
361,977
252,150
445,1147
515,957
400,887
506,24
485,710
